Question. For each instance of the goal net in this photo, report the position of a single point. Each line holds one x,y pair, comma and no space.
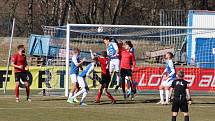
193,47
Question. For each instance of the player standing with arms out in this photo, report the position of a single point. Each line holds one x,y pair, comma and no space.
113,54
83,84
74,70
127,64
181,94
171,76
105,78
19,63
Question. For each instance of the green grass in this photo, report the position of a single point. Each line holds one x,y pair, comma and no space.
52,108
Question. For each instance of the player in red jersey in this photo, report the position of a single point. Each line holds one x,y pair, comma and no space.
105,78
127,64
19,63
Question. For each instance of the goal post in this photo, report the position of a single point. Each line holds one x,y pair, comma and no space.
146,40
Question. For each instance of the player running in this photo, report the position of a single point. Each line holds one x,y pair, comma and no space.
113,54
171,76
83,84
19,63
105,78
127,64
74,70
181,94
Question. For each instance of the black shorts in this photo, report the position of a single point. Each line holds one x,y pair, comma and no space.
179,104
21,75
125,72
105,80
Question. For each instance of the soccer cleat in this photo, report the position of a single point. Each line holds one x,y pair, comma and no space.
166,103
132,96
83,104
17,100
161,102
29,99
75,100
113,102
116,90
97,101
71,101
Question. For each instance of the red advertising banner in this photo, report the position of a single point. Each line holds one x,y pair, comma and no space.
149,78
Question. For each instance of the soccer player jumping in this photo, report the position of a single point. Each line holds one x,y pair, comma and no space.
181,97
19,63
171,76
113,54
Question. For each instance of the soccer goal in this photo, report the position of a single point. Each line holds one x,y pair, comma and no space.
150,45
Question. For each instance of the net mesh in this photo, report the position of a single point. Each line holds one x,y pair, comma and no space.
150,45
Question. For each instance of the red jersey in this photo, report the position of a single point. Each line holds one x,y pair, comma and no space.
18,60
126,59
104,64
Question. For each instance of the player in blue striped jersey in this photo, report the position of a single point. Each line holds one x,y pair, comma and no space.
74,70
83,84
167,82
113,54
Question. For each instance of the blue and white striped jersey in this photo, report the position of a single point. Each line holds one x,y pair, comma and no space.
87,70
170,69
112,50
74,69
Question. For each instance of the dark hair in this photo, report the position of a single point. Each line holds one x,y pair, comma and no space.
180,74
107,38
104,54
20,46
171,54
129,44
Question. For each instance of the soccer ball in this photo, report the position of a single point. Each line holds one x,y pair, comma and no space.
100,29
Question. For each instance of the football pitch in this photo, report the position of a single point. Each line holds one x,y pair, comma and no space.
55,108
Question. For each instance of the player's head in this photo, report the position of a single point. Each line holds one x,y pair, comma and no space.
169,55
128,45
21,48
106,40
180,74
104,54
75,51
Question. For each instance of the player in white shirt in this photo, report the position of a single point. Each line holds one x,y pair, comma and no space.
113,54
167,82
82,82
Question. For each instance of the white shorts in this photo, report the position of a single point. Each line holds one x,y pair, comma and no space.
167,83
74,78
114,65
82,82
